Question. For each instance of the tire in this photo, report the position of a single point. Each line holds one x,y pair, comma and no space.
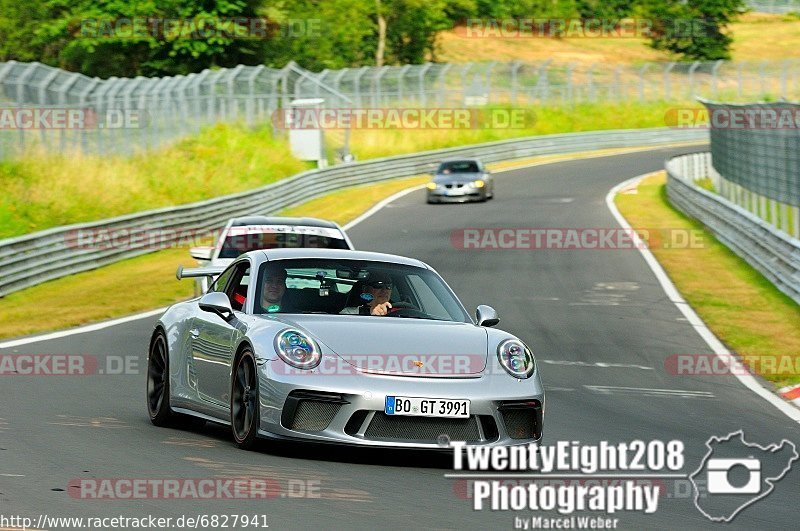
244,401
158,382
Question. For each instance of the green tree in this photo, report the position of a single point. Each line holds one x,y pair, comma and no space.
695,30
140,37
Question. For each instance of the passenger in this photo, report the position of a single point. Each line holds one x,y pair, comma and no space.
377,290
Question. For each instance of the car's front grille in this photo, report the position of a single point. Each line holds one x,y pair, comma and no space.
422,429
313,416
310,410
522,419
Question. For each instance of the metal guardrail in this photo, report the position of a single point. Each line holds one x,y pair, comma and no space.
32,259
771,251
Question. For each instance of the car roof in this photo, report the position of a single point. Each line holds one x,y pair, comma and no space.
277,220
338,254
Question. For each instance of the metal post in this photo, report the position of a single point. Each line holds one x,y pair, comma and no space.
590,82
464,69
515,66
715,77
251,84
233,102
667,88
400,79
692,68
443,85
357,84
337,83
642,72
421,80
377,97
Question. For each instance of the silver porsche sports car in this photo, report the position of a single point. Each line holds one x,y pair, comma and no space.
338,346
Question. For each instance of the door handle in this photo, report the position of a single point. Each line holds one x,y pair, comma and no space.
195,333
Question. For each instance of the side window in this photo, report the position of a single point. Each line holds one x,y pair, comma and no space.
238,284
222,279
429,301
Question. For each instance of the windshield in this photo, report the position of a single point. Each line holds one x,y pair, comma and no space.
243,239
459,166
347,287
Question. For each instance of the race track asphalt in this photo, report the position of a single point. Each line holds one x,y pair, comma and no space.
598,322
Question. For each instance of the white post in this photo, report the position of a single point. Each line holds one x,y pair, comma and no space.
796,222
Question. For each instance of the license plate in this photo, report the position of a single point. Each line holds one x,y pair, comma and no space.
426,407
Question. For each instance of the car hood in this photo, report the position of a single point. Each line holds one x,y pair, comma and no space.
398,345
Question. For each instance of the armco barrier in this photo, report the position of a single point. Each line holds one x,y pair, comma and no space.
771,251
35,258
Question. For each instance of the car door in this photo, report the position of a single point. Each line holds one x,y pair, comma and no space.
212,337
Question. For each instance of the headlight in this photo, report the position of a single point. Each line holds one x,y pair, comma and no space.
297,349
515,358
431,186
478,184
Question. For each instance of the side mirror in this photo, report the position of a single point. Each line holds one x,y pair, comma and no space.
486,316
218,303
202,253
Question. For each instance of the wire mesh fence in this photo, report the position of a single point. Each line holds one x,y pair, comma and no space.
774,6
757,146
58,111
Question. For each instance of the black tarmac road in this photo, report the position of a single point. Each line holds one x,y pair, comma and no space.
598,321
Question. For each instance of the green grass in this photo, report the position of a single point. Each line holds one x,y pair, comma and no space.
750,315
366,144
148,282
42,191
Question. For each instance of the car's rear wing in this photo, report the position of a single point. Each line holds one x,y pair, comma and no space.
209,271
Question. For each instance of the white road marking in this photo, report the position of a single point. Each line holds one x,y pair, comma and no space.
681,393
81,329
694,320
12,475
600,364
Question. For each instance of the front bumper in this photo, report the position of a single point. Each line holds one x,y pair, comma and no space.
349,409
456,195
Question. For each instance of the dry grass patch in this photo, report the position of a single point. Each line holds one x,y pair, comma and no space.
738,304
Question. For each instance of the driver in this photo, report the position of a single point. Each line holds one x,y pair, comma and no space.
376,293
274,288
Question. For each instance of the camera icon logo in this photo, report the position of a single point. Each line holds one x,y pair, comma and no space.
719,482
735,474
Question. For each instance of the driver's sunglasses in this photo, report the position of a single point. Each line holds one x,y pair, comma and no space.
380,285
